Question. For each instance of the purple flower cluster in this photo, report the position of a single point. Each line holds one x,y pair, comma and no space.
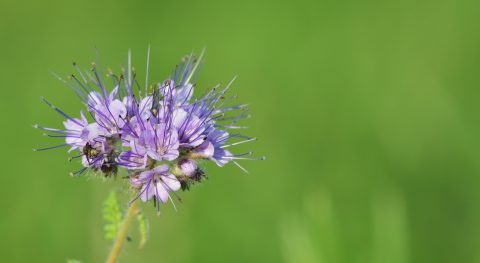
158,133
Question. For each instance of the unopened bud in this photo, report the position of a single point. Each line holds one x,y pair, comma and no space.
187,167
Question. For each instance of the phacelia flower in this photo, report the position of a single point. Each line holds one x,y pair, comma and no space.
159,134
156,183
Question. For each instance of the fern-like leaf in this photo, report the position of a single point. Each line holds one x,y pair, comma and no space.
142,228
112,215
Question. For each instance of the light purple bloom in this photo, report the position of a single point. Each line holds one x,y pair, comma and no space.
109,112
156,183
160,142
190,128
217,139
75,132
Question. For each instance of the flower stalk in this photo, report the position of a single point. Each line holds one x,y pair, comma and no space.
123,233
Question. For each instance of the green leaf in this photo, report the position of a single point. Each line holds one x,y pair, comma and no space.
73,261
142,228
112,215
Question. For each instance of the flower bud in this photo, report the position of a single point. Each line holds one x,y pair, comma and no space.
188,167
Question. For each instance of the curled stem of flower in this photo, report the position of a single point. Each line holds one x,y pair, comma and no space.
122,233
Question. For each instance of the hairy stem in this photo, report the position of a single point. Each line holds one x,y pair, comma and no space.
122,233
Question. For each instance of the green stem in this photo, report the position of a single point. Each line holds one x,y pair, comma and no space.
122,233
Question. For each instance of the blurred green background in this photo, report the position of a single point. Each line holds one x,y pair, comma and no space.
368,112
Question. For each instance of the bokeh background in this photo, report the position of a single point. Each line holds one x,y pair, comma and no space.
368,112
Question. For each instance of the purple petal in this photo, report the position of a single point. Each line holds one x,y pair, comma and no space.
161,169
206,149
148,191
171,182
161,192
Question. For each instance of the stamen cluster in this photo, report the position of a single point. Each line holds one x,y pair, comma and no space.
158,134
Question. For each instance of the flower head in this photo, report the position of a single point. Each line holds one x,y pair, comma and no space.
158,134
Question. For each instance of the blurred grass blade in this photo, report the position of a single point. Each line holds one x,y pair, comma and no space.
390,228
